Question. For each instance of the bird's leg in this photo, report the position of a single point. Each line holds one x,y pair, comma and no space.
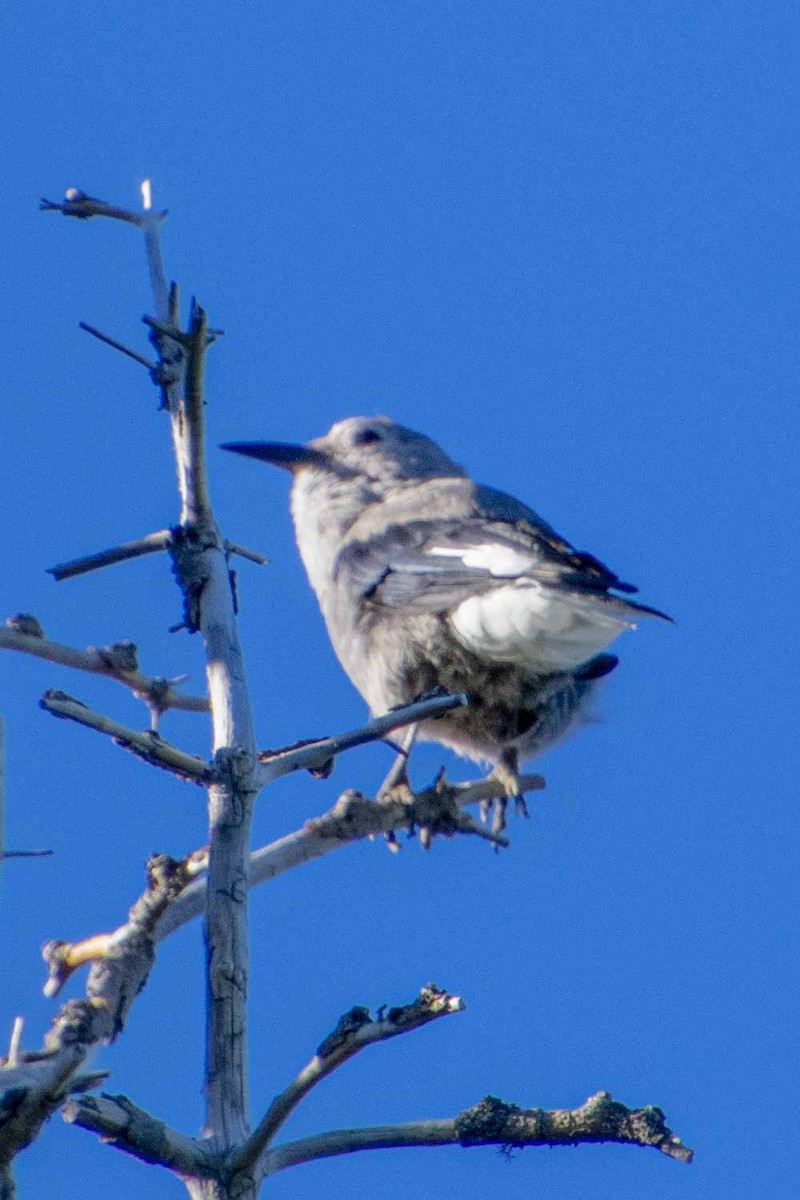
506,770
396,781
397,778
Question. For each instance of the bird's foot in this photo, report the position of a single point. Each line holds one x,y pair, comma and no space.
507,774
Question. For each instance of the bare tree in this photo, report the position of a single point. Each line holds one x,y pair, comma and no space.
234,1156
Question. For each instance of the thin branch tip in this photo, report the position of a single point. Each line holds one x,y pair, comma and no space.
147,745
151,543
117,345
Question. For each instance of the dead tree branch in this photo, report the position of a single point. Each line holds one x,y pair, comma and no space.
201,568
354,1032
149,745
33,1088
151,543
158,693
318,756
122,1124
77,204
167,878
128,351
200,563
493,1122
352,818
253,556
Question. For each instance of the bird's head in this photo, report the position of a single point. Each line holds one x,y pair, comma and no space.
373,449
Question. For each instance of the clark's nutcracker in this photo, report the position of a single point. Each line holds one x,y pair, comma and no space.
429,580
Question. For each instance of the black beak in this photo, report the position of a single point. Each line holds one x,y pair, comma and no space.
280,454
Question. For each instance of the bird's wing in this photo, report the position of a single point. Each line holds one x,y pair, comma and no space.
587,571
433,565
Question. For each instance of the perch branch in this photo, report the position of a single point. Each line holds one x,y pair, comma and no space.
149,745
352,818
155,691
318,756
124,1125
354,1031
493,1122
149,544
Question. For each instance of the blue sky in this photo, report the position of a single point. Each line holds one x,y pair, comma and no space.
561,239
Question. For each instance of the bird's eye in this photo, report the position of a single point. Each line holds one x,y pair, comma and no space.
365,437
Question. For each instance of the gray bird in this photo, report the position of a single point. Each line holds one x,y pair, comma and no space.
429,580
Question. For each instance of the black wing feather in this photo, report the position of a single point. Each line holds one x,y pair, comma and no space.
396,569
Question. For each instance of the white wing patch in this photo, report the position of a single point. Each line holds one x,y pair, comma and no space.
498,559
539,627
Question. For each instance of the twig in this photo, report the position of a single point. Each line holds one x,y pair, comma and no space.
115,345
155,691
355,1031
124,1125
32,1091
198,510
165,328
148,745
26,853
15,1043
77,204
149,544
316,756
158,278
253,555
493,1122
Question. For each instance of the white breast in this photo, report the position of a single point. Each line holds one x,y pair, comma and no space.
541,628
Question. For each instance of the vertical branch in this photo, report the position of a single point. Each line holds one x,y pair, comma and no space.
155,263
202,568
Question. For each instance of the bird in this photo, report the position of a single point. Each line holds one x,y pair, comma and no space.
428,580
